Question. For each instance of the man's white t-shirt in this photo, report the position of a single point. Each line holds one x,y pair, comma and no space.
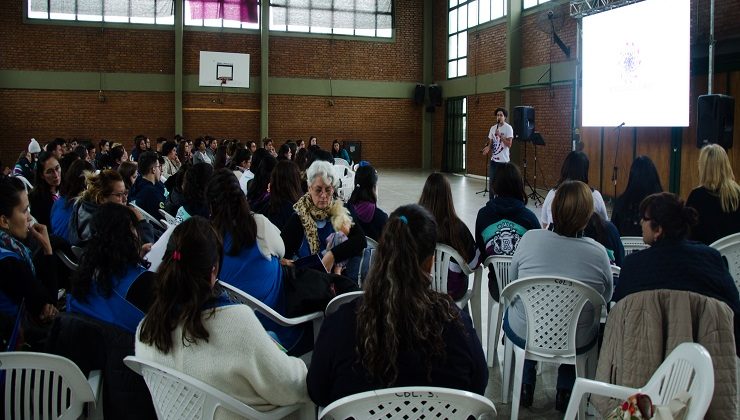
499,151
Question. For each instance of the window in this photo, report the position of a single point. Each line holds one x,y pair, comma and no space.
456,132
462,16
242,14
532,3
341,17
160,12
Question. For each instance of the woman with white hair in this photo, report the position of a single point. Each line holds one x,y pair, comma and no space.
307,230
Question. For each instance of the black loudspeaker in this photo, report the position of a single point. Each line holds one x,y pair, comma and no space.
715,120
523,122
435,95
420,91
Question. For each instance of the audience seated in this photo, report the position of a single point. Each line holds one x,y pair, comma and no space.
605,233
337,151
176,197
194,192
46,187
104,187
574,168
363,203
26,279
194,328
436,197
71,187
184,154
253,249
284,153
285,190
717,199
139,147
101,156
115,157
504,219
258,193
27,161
112,283
171,162
401,332
643,181
129,172
148,190
306,231
672,262
200,155
562,251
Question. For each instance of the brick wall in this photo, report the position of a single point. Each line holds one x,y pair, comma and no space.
49,114
537,45
390,133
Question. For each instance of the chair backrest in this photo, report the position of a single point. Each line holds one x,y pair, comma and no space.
500,265
149,218
616,270
72,265
411,402
633,244
687,369
78,251
245,298
442,255
340,300
168,217
340,161
371,243
180,396
553,305
43,386
729,247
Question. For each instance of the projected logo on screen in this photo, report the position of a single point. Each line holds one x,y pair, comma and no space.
630,63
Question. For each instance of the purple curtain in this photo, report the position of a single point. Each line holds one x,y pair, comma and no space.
236,10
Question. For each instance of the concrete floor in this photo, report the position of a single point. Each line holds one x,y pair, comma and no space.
399,187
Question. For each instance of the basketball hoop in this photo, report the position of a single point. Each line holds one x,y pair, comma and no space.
223,80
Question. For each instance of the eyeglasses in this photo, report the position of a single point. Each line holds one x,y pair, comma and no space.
325,190
120,194
646,219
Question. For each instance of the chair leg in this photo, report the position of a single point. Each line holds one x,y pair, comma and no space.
494,330
475,304
516,391
506,371
581,362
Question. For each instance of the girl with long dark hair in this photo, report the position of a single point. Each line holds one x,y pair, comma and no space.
46,187
363,202
112,283
643,181
193,327
436,196
71,187
401,332
285,190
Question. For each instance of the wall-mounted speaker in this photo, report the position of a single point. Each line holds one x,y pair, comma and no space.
435,95
523,122
420,92
715,120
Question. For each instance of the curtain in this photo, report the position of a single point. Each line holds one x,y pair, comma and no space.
236,10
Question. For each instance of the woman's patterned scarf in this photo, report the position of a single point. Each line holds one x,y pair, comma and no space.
11,244
309,214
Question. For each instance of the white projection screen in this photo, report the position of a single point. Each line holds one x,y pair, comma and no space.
636,65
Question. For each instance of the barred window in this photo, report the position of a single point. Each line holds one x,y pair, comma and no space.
160,12
222,13
463,15
342,17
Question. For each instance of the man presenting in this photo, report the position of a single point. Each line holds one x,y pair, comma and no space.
500,137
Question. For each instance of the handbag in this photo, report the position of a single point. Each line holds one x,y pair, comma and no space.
308,290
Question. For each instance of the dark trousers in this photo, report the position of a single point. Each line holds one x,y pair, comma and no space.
492,166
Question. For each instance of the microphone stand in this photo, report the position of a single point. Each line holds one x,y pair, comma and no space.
485,190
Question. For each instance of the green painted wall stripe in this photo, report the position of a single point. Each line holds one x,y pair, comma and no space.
142,82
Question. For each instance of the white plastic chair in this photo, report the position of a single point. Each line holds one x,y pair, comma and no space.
500,265
687,369
168,217
410,402
26,183
242,297
78,251
442,255
340,300
42,386
179,396
553,305
340,161
633,244
149,218
371,243
72,265
729,247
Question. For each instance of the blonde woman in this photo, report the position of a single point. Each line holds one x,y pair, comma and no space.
717,199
